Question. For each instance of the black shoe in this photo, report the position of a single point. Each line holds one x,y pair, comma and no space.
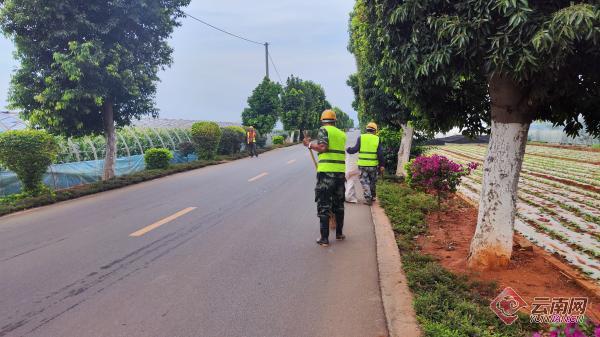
339,230
323,242
368,202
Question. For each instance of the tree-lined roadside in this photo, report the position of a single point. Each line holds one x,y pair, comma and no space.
494,66
448,302
88,69
298,105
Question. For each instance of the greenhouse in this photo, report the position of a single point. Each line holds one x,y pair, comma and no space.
10,121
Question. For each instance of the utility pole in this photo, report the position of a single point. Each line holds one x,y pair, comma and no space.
267,57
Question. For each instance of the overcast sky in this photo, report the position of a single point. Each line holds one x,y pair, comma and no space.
213,74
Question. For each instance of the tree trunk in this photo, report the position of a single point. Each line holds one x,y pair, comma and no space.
111,143
404,150
511,116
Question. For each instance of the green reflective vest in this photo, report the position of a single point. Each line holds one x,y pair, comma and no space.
368,150
334,160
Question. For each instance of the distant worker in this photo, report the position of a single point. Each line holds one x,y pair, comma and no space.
370,158
251,142
330,189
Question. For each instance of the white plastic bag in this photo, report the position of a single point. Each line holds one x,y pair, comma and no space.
351,180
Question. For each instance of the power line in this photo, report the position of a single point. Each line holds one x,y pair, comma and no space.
222,30
274,66
241,38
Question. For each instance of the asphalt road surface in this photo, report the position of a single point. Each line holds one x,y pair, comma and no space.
227,250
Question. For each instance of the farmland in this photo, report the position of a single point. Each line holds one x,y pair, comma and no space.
558,202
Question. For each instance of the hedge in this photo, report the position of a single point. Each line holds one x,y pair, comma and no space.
157,158
232,139
206,137
28,153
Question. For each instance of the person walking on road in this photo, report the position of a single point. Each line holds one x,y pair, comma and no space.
370,159
330,188
251,142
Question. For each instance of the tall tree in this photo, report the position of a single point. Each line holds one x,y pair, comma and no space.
496,64
264,107
344,121
372,101
303,102
86,66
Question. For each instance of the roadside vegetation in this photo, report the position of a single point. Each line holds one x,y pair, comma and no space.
23,201
157,159
445,304
493,67
28,153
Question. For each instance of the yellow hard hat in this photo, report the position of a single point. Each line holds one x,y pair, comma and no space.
328,116
372,126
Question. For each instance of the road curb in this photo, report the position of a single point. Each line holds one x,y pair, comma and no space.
397,298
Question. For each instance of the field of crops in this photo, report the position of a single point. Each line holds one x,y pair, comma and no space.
559,199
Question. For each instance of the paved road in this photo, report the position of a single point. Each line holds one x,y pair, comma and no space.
235,255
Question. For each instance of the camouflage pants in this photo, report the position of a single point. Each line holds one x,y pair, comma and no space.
330,193
368,180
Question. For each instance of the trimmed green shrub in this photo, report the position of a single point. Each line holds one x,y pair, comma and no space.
232,139
157,158
278,140
28,153
206,137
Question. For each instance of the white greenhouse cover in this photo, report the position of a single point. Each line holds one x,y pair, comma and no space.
10,121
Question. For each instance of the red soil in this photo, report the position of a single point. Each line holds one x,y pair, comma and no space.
528,272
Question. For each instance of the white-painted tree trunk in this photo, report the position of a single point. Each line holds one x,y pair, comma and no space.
492,244
111,142
404,150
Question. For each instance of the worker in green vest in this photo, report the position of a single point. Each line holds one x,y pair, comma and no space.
330,188
370,160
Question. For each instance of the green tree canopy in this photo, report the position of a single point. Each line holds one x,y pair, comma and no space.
85,67
264,107
302,102
343,120
372,101
442,57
